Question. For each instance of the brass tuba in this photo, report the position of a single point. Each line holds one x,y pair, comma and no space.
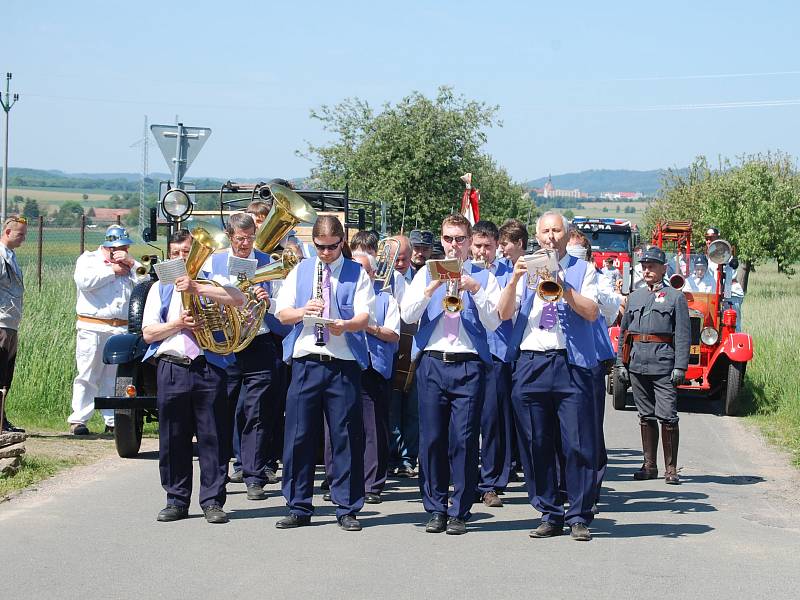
288,209
219,329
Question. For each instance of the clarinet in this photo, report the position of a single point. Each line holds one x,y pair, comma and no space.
319,330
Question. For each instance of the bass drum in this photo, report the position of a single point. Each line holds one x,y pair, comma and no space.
404,368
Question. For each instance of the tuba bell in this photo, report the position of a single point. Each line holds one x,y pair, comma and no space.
219,329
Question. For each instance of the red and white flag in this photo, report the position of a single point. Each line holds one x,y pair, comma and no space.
470,200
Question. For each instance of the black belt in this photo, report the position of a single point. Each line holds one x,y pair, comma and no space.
182,361
322,358
532,353
452,357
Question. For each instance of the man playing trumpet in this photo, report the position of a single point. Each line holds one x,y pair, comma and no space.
453,359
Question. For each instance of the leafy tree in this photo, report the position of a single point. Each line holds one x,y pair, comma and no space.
85,196
91,212
569,213
69,214
31,209
412,154
755,203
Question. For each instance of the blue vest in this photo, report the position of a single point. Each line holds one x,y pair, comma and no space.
381,353
219,266
500,337
345,293
470,319
577,330
165,291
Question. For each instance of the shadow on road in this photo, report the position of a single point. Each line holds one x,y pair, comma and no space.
608,528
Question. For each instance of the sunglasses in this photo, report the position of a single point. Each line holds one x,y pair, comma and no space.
15,219
323,247
458,239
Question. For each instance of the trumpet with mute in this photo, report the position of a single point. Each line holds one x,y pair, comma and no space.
452,302
542,274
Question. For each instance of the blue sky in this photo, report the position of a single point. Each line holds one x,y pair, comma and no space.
580,85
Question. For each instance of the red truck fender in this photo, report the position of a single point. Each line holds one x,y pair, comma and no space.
738,347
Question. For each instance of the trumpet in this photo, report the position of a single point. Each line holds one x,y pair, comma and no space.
147,261
319,330
452,302
387,257
542,268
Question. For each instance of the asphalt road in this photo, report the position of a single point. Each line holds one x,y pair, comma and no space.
731,530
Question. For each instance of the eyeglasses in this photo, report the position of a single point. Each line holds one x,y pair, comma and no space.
16,219
244,238
323,247
458,239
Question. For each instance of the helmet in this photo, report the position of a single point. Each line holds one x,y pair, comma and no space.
116,236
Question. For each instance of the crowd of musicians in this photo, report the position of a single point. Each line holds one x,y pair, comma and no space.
507,383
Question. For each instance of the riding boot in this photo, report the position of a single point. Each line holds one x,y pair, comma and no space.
649,469
669,440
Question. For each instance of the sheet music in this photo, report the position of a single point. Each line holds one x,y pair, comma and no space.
446,268
169,270
237,266
312,320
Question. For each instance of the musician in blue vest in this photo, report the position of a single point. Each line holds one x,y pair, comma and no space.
496,415
253,377
552,391
327,360
191,395
454,357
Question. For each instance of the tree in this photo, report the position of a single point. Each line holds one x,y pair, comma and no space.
412,154
91,212
85,196
31,209
69,214
754,202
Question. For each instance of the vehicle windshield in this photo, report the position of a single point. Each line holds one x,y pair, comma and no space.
609,241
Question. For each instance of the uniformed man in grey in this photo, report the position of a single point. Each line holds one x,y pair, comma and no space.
653,354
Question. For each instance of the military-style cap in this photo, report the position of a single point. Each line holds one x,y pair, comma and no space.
701,260
420,238
438,249
653,254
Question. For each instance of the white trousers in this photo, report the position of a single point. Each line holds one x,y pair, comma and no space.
94,378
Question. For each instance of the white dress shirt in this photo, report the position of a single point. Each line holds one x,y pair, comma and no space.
706,284
551,339
415,303
363,300
101,293
392,320
608,298
400,285
174,345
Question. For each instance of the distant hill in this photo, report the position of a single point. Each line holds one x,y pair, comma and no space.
596,181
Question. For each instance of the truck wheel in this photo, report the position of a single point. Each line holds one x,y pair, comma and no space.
619,391
128,425
136,305
733,389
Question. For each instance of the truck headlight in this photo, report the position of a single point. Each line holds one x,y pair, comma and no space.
709,336
176,203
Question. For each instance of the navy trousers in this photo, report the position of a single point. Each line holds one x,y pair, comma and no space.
332,389
599,383
375,392
277,406
251,389
450,400
553,398
191,400
404,428
496,429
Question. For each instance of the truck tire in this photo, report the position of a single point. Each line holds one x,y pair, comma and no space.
128,425
734,387
136,305
619,391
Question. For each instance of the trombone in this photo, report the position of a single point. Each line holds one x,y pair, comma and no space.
388,249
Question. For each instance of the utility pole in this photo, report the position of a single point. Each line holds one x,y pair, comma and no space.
144,218
7,103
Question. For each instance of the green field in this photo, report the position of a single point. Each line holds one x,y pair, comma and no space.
595,210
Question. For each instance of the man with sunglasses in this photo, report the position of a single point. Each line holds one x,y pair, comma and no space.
104,279
454,357
254,384
11,290
326,375
653,355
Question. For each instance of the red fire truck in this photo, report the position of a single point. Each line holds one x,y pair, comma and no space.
610,237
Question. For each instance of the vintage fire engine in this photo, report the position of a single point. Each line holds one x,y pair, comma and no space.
718,355
609,237
134,402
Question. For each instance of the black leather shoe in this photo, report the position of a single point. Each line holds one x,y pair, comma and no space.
214,514
79,429
8,426
236,477
270,476
172,513
372,498
256,492
326,497
109,429
580,533
349,523
291,521
546,530
437,523
456,526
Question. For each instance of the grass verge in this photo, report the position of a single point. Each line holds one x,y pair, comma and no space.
34,469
